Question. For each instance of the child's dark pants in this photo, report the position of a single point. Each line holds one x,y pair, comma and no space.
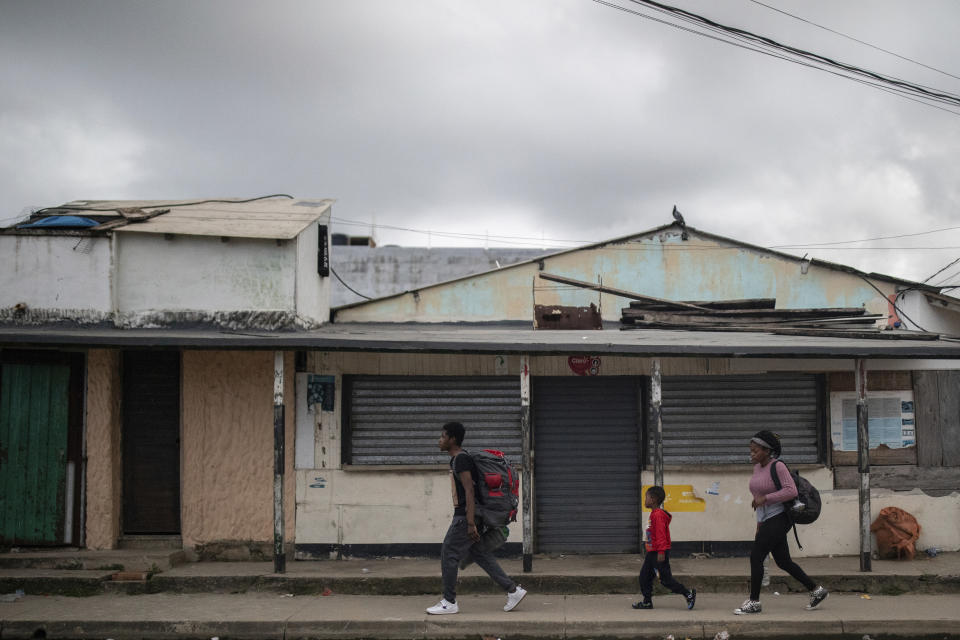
651,565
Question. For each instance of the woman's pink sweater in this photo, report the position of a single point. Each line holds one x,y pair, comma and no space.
761,484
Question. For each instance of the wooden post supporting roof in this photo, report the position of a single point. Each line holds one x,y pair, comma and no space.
656,395
526,473
863,462
279,559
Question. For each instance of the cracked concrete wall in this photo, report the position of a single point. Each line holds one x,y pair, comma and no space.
54,275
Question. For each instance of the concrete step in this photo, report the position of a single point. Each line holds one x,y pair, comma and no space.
82,559
63,582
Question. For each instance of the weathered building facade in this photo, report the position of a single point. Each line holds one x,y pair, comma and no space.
367,393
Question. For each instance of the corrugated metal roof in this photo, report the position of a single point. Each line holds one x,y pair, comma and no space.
498,339
277,218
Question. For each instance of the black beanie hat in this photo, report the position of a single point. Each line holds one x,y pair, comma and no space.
768,439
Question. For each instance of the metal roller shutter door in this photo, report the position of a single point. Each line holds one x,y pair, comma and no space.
586,464
397,419
710,419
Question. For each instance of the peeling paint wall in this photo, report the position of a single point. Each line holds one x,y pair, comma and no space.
728,516
199,273
104,470
660,265
369,506
227,447
56,277
312,291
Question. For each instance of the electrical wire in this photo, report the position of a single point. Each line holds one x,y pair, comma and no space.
942,270
337,276
160,204
891,84
848,37
902,235
801,53
893,302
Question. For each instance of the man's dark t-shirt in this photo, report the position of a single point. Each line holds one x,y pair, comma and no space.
461,462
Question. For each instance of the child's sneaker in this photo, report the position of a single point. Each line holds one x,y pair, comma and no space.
643,604
691,598
513,599
748,606
443,607
817,596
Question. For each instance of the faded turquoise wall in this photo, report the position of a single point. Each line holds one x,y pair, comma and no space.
660,265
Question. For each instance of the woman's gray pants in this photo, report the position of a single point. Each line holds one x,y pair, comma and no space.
456,544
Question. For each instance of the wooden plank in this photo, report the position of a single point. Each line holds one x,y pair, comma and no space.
879,455
876,381
616,292
751,303
926,405
935,481
949,387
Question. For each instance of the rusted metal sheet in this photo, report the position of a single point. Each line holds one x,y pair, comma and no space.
563,317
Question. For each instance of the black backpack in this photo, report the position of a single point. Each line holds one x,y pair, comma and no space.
806,506
497,488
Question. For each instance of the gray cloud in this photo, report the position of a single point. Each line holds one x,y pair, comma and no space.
544,119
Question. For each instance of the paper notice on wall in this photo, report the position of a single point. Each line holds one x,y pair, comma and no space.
680,497
890,419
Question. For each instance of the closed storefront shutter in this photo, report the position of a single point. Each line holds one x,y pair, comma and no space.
586,470
397,419
710,419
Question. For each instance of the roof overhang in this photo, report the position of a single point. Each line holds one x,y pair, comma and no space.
487,339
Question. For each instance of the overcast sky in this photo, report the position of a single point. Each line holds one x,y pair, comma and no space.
534,122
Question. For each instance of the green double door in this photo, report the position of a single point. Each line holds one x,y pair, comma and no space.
36,491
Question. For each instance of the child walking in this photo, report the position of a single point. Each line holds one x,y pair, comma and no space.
658,553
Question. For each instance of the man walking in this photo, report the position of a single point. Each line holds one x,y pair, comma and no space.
463,534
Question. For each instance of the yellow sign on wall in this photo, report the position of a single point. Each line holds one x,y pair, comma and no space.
680,497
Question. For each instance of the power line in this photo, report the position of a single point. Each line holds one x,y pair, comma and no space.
902,235
337,276
768,46
848,37
942,270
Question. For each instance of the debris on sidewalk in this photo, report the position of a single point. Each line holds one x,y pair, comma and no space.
12,597
865,596
722,635
285,595
327,591
897,532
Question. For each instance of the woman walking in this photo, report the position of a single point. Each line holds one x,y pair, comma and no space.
773,521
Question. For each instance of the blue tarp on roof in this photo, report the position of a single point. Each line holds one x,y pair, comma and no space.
61,221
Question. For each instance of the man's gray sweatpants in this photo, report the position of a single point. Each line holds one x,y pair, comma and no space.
456,544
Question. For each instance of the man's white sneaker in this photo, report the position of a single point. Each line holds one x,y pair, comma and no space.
513,599
443,607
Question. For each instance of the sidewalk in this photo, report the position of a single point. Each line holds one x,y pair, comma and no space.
571,597
575,574
260,616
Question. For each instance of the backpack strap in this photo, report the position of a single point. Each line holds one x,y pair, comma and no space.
776,483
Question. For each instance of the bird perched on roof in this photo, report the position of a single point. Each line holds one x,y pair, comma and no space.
680,223
678,217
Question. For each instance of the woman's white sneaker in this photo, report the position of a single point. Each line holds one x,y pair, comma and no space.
513,599
748,606
443,607
817,596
